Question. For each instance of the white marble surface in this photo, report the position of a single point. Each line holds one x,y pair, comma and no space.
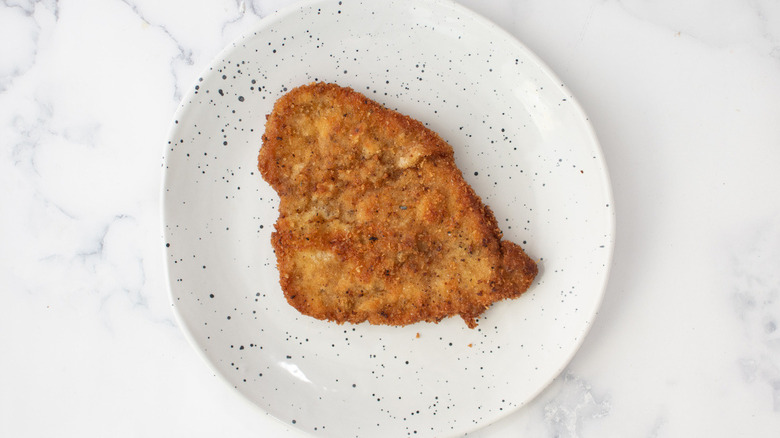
684,96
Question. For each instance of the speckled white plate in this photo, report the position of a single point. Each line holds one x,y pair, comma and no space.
519,138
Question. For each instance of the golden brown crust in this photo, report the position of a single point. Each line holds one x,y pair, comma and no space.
376,223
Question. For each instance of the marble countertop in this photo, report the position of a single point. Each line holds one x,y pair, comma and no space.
685,100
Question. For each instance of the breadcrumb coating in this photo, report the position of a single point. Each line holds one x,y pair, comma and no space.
376,223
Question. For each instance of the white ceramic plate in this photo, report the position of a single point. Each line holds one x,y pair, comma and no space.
521,141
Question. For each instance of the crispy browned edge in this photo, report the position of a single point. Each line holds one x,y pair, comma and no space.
518,268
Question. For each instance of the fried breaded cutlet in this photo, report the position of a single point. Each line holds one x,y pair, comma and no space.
376,223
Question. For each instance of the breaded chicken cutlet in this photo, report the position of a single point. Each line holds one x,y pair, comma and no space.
376,223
